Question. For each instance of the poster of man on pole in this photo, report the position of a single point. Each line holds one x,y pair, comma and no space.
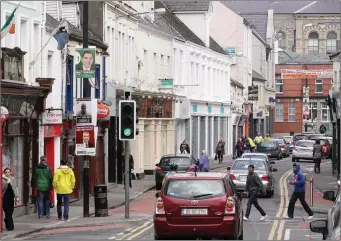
86,112
85,62
86,137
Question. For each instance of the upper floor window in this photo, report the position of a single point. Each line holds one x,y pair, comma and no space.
313,43
313,111
318,86
331,42
12,64
292,112
279,111
279,85
282,41
325,116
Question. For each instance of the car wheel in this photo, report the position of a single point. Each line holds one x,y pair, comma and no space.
269,193
158,186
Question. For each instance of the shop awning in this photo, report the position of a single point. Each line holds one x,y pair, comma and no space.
242,120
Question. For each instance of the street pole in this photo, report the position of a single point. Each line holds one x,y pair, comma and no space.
1,212
86,94
127,170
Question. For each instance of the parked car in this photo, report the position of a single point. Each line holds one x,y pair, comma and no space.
184,162
290,141
284,147
330,228
303,150
271,148
198,205
239,171
328,149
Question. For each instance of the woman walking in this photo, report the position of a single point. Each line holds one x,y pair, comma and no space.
220,150
9,193
317,154
240,147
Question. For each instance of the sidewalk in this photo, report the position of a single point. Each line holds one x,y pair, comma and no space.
27,224
227,161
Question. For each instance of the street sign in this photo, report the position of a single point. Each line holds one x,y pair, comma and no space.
166,83
230,50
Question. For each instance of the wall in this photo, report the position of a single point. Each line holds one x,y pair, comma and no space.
285,23
337,75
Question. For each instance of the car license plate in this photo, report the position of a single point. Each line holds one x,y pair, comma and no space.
194,211
243,178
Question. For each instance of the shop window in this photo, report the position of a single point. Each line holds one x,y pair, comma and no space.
12,64
279,86
279,112
98,82
318,86
313,111
69,85
292,112
325,112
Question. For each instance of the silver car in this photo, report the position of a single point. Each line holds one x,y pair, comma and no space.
257,155
239,171
303,149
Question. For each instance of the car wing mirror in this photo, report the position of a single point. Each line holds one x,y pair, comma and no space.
274,170
319,226
329,195
228,168
157,195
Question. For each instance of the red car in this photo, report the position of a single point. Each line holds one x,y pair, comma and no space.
198,205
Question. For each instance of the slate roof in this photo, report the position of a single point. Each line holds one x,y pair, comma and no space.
259,22
258,76
285,56
308,59
284,6
187,6
236,83
75,33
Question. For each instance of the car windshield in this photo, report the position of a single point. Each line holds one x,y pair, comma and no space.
288,139
189,189
305,143
301,137
279,141
268,144
180,161
244,164
255,156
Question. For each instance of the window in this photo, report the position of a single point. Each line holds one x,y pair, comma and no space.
292,112
331,42
24,36
104,85
313,111
279,85
325,112
279,112
318,86
12,64
281,40
313,43
49,64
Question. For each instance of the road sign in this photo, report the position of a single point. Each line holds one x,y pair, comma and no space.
166,83
230,50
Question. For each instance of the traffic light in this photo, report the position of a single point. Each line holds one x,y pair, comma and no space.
127,121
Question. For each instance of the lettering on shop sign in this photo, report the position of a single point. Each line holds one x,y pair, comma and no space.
53,117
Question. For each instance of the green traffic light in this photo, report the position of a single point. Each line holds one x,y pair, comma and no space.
127,132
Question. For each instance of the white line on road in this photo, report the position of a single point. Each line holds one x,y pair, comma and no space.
112,238
287,234
119,234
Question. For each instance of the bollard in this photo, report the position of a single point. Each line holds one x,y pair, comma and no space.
311,192
101,200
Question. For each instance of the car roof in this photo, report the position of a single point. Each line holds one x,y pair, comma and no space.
176,155
248,159
199,175
277,139
305,141
255,154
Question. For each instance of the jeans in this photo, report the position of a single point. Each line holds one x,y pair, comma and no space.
317,167
293,199
253,200
43,203
63,198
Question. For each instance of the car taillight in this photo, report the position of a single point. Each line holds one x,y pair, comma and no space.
230,206
265,178
159,209
159,170
191,169
282,146
232,176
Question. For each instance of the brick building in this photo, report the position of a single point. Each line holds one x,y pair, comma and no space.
293,74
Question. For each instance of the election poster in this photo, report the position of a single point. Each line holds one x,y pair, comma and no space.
85,62
86,112
86,137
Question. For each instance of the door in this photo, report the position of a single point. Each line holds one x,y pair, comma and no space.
49,153
210,147
202,134
195,137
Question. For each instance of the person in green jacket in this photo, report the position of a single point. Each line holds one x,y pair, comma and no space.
42,180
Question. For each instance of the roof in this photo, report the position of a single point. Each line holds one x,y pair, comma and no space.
257,76
75,33
333,55
236,83
254,154
176,155
250,158
259,23
188,6
177,25
213,175
284,6
308,59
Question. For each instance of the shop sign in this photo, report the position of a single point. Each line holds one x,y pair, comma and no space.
299,76
52,131
53,117
166,83
230,50
222,110
86,137
103,111
253,93
4,114
209,109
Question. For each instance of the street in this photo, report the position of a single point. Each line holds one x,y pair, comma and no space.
140,226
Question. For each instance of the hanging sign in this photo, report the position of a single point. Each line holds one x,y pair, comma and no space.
103,111
53,117
4,114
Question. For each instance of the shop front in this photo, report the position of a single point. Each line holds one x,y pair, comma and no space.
20,134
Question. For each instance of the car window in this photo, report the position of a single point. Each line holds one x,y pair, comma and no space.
279,141
232,187
244,164
305,143
255,156
180,161
268,144
189,189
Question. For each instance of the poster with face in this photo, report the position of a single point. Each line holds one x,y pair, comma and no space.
86,112
86,140
85,62
306,112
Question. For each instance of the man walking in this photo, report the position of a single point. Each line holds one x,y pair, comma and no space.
42,181
299,193
63,182
253,186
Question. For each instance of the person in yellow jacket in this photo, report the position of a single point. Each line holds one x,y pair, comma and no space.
267,138
63,183
252,144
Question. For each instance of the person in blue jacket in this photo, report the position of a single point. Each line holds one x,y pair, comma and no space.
299,193
204,162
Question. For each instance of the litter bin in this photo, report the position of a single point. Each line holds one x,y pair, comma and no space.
101,200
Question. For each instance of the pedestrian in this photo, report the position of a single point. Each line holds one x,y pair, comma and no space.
299,193
184,147
249,144
204,162
240,147
63,182
9,194
253,186
317,154
267,138
131,168
258,139
42,181
220,150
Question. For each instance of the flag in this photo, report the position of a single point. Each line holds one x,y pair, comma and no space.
9,25
62,34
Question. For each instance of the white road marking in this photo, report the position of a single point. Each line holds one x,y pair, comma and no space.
287,234
119,234
112,238
128,229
